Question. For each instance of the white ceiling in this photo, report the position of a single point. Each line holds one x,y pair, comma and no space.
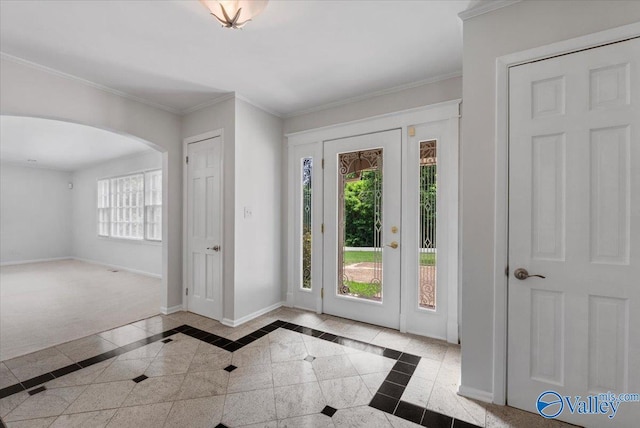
295,56
61,145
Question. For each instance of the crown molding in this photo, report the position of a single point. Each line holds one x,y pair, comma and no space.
375,94
86,82
211,102
230,95
260,106
485,7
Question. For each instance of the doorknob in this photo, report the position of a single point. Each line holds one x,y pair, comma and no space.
393,245
214,248
522,274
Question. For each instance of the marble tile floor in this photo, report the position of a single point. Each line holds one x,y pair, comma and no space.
288,368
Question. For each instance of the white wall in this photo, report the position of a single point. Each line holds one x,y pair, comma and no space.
140,256
221,115
35,92
35,213
252,247
522,26
258,249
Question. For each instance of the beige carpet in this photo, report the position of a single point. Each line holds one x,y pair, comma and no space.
45,304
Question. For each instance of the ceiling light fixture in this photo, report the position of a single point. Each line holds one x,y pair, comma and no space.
234,13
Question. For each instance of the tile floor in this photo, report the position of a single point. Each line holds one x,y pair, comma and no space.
288,368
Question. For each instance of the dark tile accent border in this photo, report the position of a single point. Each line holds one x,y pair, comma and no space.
230,368
37,390
436,420
386,399
46,377
140,378
329,411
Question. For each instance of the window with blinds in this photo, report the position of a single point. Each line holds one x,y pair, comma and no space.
130,206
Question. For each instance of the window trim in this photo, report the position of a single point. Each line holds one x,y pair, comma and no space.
144,239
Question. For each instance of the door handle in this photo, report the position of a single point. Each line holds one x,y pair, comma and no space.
393,245
215,248
522,274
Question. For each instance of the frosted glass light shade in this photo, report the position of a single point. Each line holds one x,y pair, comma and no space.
234,13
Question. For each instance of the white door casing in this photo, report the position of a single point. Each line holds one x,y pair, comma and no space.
387,311
204,227
574,217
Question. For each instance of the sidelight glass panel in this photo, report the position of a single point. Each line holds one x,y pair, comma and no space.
428,250
307,176
360,224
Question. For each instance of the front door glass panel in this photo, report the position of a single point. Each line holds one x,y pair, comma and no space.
360,224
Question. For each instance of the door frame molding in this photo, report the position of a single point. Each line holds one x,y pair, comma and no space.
185,228
444,111
501,189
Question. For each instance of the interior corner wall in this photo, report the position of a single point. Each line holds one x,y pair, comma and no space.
521,26
258,210
419,96
35,213
221,115
138,256
34,92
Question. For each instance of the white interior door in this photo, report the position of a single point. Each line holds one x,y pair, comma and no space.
368,290
574,218
204,228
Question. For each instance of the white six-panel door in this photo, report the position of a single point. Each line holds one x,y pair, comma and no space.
204,228
574,218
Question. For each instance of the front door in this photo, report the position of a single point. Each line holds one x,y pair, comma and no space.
204,228
574,219
362,184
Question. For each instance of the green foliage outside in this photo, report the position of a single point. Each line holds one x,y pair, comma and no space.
362,289
359,200
359,210
359,207
352,257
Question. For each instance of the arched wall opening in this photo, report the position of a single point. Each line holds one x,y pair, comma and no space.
147,157
30,90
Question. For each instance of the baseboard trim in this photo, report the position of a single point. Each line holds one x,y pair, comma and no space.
303,308
170,310
476,394
235,323
139,272
25,262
